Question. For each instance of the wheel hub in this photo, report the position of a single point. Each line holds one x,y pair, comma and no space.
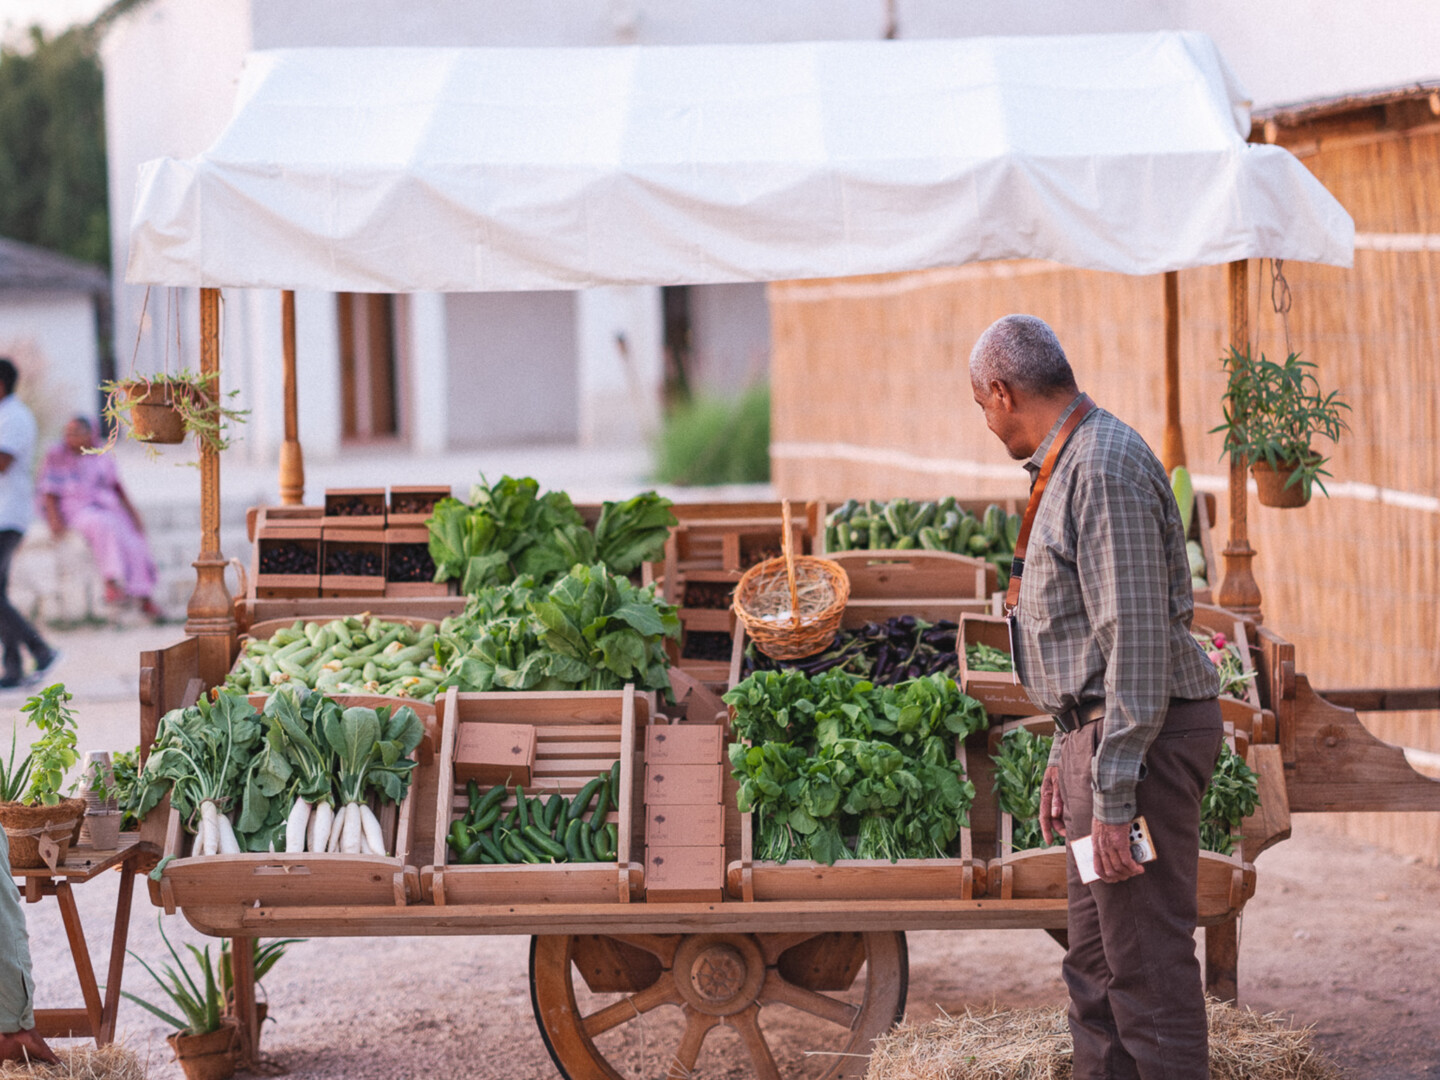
719,974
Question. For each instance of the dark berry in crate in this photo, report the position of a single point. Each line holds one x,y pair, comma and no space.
412,504
707,645
713,595
410,562
350,506
288,557
352,562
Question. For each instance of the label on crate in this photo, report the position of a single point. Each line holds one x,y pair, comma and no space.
672,825
684,744
676,785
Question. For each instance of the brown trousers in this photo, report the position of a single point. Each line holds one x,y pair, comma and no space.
1137,1006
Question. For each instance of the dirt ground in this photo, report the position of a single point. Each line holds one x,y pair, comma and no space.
1338,935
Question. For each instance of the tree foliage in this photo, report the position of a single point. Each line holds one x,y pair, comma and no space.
52,145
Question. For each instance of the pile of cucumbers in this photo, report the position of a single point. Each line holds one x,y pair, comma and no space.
359,654
904,525
538,829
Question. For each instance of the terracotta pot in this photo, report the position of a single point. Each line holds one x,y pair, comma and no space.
104,829
206,1057
153,418
1273,491
24,825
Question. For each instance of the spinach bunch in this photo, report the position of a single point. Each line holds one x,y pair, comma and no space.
632,532
590,630
1019,769
1231,797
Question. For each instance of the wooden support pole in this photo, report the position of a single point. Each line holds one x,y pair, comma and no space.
1239,591
210,615
1172,448
242,968
1222,960
292,462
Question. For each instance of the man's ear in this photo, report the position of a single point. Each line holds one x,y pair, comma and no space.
1003,394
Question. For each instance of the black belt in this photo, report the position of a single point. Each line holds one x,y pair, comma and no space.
1086,712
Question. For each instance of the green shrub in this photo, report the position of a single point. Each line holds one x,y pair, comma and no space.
713,440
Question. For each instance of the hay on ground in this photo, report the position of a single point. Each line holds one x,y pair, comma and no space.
1034,1044
113,1062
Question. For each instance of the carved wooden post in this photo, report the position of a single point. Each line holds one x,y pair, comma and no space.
1239,592
292,462
1172,449
210,617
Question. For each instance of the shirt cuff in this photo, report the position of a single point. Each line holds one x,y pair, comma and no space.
1116,806
1054,760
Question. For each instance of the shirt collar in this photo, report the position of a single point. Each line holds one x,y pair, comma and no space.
1037,459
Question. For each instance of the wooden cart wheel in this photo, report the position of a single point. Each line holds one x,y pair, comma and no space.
714,982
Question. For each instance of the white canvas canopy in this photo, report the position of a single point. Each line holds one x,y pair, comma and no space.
397,170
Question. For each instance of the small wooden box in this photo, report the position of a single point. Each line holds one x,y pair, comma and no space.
398,539
678,826
354,508
999,691
413,504
682,785
363,542
680,875
684,744
493,754
307,538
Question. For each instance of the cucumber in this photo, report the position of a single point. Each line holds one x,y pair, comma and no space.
472,854
492,798
573,850
581,802
472,792
602,807
459,837
521,808
587,846
543,841
488,818
491,848
553,807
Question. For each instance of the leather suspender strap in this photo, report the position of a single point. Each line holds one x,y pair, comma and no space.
1017,566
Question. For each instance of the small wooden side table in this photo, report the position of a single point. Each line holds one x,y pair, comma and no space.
97,1018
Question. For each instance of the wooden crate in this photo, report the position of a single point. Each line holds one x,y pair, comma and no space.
274,527
265,630
999,691
1216,620
916,575
373,498
308,879
395,537
578,735
822,509
352,538
959,878
425,494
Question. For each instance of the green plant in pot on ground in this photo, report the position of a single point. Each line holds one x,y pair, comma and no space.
1274,414
35,809
164,408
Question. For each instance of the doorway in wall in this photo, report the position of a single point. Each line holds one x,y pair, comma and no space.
371,366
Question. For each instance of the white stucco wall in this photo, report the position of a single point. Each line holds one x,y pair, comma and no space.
730,334
620,385
51,338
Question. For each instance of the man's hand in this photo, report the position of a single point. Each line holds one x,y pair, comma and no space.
1052,806
1113,861
23,1046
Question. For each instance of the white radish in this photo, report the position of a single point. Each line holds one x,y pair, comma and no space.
295,825
320,822
364,844
208,838
228,844
370,827
350,830
337,822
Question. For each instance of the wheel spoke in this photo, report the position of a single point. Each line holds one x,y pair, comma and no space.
697,1026
747,1025
661,992
772,945
778,991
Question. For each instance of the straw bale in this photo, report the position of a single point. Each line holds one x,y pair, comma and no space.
113,1062
873,400
1034,1044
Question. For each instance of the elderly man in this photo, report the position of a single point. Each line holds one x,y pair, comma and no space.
19,1041
1102,636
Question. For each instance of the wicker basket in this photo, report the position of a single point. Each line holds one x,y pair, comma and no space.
25,824
812,591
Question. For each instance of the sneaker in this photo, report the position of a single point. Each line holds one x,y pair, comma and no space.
41,667
10,682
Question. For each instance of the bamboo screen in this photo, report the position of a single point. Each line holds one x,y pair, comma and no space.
872,399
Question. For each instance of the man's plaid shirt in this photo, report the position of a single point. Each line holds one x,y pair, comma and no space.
1105,601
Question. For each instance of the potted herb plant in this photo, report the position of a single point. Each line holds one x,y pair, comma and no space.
102,809
164,408
38,818
1274,413
204,1042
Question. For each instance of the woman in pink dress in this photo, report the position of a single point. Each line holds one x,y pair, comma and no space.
82,491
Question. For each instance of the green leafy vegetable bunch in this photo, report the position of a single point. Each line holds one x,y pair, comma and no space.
1019,770
1232,796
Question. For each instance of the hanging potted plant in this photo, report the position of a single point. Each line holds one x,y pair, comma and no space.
1274,414
204,1043
164,408
39,821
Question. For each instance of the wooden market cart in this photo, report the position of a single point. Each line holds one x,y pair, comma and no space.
829,945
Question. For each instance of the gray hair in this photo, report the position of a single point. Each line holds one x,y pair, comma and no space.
1024,352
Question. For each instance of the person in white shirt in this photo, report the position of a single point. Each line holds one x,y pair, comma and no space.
17,506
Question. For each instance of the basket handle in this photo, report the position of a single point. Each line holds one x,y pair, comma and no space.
787,547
